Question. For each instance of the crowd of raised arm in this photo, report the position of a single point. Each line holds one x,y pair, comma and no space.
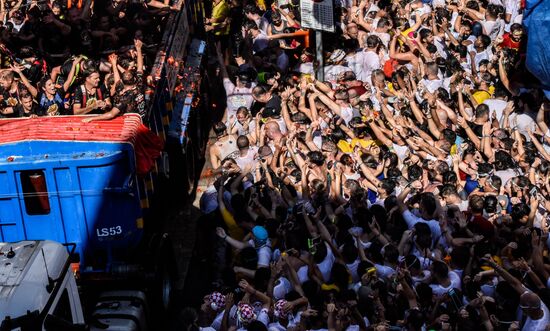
88,57
407,190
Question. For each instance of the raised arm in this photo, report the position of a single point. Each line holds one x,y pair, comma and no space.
25,81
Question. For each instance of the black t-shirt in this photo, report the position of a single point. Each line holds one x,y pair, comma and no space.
478,129
131,100
53,107
84,99
274,102
19,111
11,99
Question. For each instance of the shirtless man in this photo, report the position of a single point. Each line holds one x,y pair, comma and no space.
224,147
271,134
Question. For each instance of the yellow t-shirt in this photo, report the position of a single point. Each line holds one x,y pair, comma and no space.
481,96
405,34
347,147
234,230
220,13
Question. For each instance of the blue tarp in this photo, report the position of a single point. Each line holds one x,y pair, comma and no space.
536,20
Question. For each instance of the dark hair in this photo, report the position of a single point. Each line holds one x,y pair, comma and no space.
391,253
414,172
449,135
251,25
482,110
503,160
490,204
428,203
373,41
485,40
394,160
449,177
448,190
519,211
440,269
476,203
316,157
252,9
242,142
388,185
219,128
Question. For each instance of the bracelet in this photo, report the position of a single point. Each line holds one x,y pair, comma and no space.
225,237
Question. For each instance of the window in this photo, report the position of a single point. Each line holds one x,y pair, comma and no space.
35,192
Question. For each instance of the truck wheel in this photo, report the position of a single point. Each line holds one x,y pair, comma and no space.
165,274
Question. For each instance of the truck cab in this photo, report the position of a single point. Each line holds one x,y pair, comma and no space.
37,289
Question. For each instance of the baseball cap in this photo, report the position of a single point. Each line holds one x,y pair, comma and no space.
260,234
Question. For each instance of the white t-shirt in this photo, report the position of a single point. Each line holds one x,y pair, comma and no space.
522,122
432,84
384,37
496,106
483,55
513,7
400,151
240,129
439,290
538,325
411,220
248,159
326,265
371,62
305,68
355,63
347,114
237,97
383,271
493,29
333,71
506,175
262,23
264,253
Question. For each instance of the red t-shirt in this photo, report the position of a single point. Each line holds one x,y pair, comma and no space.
481,225
507,42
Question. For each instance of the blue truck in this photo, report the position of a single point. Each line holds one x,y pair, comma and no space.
90,185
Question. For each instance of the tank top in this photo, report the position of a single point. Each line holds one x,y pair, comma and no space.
243,161
228,148
274,30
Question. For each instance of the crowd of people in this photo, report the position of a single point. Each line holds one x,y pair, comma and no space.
78,57
407,189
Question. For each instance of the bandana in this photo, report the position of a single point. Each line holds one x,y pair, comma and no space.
279,310
217,301
245,313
